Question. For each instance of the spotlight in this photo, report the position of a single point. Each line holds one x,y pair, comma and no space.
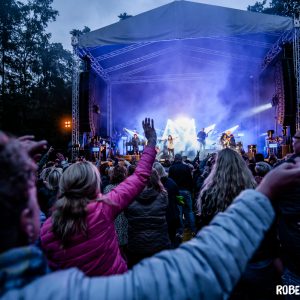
232,129
260,108
132,132
210,128
183,122
67,124
183,130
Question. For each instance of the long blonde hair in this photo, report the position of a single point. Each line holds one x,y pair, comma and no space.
229,176
79,185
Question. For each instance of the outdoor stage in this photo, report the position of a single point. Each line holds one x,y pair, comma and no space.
219,67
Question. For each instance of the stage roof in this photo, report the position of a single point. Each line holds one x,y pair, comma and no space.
184,39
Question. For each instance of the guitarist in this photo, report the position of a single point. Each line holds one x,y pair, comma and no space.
201,136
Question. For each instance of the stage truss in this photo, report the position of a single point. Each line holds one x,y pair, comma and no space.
75,100
296,50
129,76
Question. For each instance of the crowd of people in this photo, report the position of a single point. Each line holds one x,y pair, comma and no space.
224,227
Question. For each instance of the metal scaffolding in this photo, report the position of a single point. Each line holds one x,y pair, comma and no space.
276,49
109,109
255,90
92,103
279,92
110,74
75,101
296,50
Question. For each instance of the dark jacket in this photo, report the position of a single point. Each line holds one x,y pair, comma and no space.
147,224
288,207
47,199
182,175
173,191
288,228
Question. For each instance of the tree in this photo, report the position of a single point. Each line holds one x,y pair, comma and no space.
287,8
22,39
35,74
78,32
124,16
9,20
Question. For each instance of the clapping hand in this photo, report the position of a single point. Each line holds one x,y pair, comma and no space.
32,147
149,131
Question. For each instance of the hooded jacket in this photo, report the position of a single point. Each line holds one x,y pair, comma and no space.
147,224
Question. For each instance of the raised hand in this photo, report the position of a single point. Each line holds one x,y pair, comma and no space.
51,149
149,131
32,147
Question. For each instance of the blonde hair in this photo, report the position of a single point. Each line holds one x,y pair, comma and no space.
79,184
53,178
229,176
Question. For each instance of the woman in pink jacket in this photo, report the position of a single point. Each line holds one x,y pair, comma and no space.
81,231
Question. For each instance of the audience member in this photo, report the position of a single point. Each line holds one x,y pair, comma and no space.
118,175
172,209
259,157
261,169
182,175
207,267
47,193
81,231
229,177
289,225
147,224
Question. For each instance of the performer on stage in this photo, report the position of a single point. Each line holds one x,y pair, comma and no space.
201,136
232,143
227,140
135,144
170,145
224,139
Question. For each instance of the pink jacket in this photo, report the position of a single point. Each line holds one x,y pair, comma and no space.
99,254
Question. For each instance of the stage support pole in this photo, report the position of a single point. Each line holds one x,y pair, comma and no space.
255,86
296,50
109,108
75,100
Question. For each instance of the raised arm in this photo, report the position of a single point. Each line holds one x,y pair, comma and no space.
209,266
206,267
125,192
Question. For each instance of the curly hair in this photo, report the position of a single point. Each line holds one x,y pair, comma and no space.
17,176
79,185
229,176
